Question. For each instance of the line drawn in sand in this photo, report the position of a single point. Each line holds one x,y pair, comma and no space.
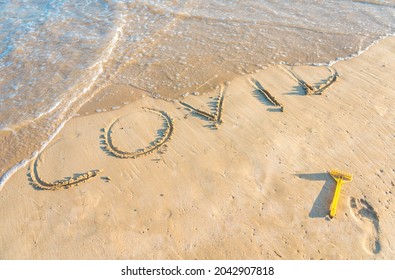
216,118
362,210
158,143
270,97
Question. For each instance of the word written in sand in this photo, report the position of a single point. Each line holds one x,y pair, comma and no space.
120,153
38,182
216,118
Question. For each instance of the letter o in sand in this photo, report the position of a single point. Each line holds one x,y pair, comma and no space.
137,134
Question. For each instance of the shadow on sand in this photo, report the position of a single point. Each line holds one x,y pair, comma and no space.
322,203
297,90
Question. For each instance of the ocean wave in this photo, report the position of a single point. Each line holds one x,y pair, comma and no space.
54,55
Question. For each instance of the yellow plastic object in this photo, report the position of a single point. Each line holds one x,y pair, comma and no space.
340,178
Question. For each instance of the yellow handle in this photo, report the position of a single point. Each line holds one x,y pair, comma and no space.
332,209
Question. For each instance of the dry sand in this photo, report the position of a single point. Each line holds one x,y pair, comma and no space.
257,188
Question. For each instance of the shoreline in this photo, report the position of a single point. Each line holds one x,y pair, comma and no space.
96,100
218,193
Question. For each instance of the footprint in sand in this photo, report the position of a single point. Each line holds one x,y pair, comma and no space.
362,210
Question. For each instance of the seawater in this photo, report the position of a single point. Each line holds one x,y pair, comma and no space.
55,55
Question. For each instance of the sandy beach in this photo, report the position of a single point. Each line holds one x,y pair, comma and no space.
242,179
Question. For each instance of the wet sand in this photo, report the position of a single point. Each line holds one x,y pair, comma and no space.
242,179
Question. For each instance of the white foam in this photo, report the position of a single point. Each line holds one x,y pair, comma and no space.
6,176
23,123
358,53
